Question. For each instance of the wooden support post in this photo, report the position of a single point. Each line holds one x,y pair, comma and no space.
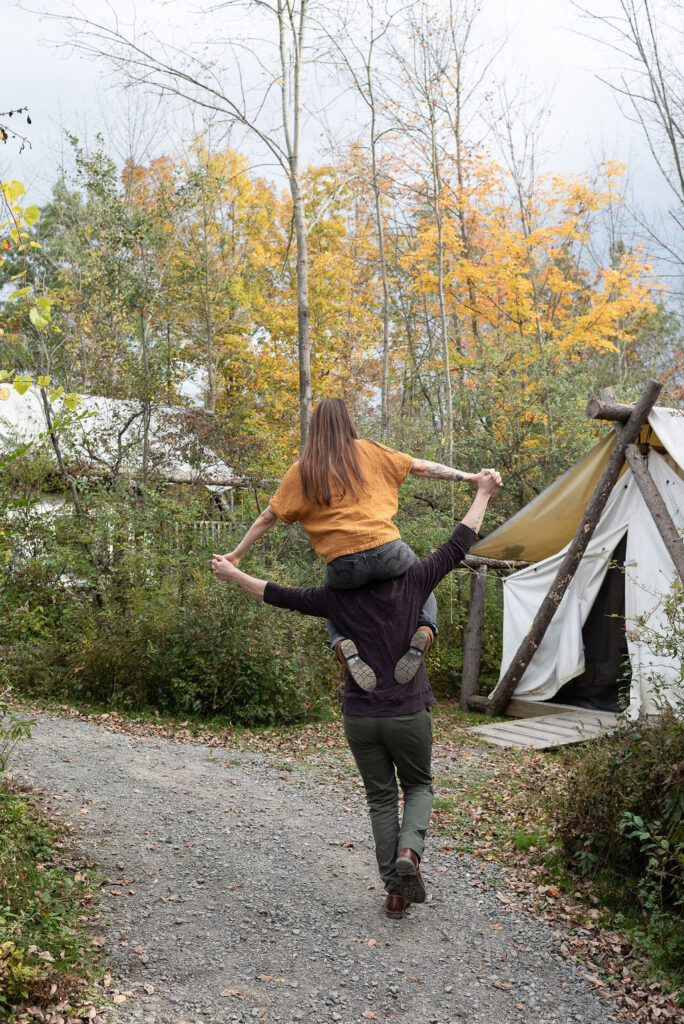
499,699
669,533
671,537
472,647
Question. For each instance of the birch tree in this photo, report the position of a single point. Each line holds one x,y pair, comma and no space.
271,112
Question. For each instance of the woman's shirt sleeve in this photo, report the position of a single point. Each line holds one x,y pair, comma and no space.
287,501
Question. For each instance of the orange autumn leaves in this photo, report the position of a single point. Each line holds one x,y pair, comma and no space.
527,276
526,297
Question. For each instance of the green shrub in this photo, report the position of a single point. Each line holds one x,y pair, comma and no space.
627,784
620,820
122,609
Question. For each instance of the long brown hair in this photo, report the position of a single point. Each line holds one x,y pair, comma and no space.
329,465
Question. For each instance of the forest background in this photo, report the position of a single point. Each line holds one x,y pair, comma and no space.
463,299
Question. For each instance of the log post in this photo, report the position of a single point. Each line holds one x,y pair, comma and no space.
472,647
605,409
674,544
504,691
669,533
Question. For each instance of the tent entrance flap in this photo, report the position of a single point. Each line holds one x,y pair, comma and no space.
604,684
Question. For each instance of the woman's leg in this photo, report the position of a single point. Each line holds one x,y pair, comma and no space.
347,573
391,560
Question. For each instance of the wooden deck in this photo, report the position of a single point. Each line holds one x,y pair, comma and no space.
560,727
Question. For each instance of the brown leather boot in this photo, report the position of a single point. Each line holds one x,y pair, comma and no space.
409,663
395,904
412,884
362,674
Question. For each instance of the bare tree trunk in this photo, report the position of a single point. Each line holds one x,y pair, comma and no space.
443,321
291,67
210,402
146,402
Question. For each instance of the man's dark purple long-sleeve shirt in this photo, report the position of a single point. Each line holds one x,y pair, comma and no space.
381,619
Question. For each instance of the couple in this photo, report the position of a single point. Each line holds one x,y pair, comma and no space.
381,616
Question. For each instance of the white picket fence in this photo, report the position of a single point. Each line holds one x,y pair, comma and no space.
211,531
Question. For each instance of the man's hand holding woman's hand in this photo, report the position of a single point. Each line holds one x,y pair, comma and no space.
489,481
487,475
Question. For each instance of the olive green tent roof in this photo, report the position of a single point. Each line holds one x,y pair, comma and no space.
550,521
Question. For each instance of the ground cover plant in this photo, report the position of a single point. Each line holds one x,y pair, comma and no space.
48,960
48,963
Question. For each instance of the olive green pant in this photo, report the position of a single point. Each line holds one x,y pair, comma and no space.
384,748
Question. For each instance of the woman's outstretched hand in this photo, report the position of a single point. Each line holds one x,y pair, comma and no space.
487,474
224,569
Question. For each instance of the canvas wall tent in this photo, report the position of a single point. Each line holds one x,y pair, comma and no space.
541,532
108,423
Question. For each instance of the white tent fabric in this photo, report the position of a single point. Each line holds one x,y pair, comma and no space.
649,573
106,422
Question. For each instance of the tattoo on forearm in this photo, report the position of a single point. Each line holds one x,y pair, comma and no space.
440,472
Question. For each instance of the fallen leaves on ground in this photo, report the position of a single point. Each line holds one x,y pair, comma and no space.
487,790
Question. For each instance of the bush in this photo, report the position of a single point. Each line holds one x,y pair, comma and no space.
120,608
627,789
621,821
123,609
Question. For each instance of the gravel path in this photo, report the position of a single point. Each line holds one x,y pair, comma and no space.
243,891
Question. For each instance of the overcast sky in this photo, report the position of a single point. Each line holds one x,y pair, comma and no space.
67,92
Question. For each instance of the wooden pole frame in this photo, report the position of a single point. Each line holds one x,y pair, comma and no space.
628,434
472,645
671,538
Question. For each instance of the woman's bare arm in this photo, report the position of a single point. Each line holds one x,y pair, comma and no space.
436,471
224,569
261,525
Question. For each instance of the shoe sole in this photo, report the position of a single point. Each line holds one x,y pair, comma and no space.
408,665
362,674
396,915
412,886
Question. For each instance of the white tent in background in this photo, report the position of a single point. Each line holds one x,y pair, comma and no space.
108,432
541,533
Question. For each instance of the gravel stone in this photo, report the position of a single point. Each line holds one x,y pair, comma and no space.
282,899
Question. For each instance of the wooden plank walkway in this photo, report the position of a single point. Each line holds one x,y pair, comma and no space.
557,729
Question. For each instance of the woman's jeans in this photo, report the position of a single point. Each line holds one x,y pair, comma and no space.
385,562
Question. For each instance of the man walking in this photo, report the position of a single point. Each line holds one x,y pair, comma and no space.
389,729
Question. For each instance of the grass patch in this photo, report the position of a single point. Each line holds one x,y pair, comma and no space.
46,955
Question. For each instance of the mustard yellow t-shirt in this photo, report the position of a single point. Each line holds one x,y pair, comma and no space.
348,524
